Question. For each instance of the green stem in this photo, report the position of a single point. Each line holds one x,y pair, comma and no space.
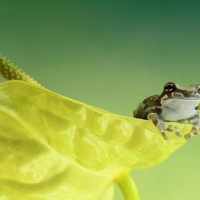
127,186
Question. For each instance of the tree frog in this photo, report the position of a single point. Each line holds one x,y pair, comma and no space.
174,104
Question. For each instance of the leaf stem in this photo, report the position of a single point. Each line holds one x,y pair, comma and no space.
127,186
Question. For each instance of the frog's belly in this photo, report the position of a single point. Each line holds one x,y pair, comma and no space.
178,109
171,115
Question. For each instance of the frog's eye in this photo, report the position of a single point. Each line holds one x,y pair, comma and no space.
198,89
169,87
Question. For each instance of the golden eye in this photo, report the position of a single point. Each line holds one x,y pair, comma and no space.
169,87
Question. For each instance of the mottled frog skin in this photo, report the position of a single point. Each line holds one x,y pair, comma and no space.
174,104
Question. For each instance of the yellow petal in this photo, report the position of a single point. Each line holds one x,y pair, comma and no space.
54,147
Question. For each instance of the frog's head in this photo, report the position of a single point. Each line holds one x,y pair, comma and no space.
174,91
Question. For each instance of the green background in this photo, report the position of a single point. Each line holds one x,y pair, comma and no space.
113,54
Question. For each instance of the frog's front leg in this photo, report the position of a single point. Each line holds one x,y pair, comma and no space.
196,125
162,126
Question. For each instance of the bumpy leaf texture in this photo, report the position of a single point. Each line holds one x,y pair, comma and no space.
54,148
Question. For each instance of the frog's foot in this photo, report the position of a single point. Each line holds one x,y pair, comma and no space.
162,126
188,136
193,131
174,129
196,125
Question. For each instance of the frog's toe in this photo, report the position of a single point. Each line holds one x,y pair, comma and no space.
179,134
188,136
169,128
175,130
172,128
165,137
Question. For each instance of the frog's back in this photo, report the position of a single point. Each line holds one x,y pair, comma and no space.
148,103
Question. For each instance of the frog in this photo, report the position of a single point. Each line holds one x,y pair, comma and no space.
174,104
